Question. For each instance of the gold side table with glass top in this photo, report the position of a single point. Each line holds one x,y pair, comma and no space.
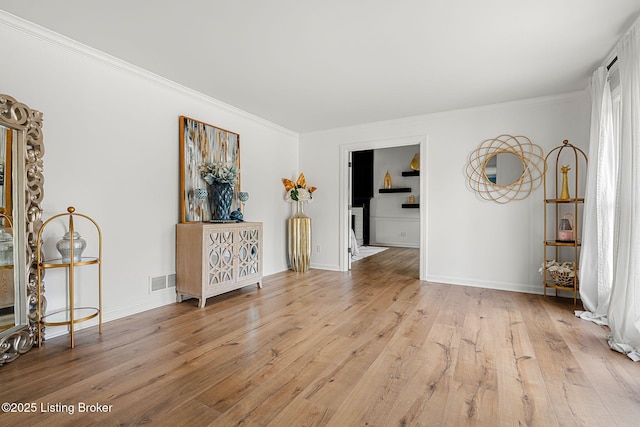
71,315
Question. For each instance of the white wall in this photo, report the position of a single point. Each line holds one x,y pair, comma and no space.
391,225
469,241
111,140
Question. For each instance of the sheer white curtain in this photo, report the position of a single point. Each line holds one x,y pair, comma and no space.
624,305
596,257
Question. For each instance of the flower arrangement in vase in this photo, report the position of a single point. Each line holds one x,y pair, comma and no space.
299,239
298,192
222,177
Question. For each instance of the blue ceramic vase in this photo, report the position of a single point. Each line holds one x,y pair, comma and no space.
221,198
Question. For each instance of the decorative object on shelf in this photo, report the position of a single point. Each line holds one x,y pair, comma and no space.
299,238
6,248
243,196
387,180
505,168
64,247
201,195
221,177
415,162
219,173
564,195
562,228
412,199
202,144
565,231
221,198
563,274
71,315
236,216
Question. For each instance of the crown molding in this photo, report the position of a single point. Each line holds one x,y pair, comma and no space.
34,30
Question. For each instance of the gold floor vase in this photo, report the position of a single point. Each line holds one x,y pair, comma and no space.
299,244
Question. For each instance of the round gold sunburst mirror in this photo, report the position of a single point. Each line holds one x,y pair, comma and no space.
505,168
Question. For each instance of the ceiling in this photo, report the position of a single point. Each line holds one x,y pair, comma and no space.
311,66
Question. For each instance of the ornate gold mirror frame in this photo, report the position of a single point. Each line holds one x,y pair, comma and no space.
27,193
520,185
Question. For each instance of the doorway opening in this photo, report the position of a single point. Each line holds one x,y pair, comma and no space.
362,200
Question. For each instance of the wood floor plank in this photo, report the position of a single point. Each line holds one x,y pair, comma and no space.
369,338
398,363
522,395
374,346
618,392
301,412
474,374
571,394
273,394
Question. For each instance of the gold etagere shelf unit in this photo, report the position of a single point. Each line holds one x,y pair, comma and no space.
72,315
562,199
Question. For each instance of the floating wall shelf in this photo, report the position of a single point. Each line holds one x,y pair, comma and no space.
395,190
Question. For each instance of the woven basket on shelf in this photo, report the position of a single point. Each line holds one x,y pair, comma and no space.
562,278
565,273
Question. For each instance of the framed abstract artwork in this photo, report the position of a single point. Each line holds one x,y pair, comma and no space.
203,144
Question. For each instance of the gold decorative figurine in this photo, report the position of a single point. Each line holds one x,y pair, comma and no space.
387,180
415,162
564,195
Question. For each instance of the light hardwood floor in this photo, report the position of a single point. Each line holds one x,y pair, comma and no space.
372,347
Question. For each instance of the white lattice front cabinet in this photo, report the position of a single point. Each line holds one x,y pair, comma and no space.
212,259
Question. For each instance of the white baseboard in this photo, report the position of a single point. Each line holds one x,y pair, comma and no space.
330,267
488,284
395,244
